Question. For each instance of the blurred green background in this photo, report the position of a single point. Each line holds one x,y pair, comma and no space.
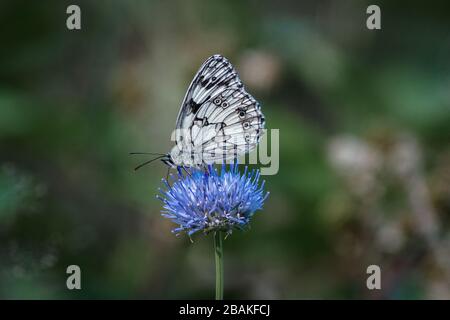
364,119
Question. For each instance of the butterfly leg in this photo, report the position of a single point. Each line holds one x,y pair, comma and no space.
205,168
167,176
185,170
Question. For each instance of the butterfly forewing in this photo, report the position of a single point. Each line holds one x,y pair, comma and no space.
218,118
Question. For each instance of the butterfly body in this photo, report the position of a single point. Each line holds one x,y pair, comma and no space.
218,120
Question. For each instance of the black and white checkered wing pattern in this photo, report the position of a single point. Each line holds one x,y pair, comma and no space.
218,118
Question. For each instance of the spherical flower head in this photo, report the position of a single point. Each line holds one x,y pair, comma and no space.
208,200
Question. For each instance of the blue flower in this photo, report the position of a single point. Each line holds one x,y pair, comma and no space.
206,200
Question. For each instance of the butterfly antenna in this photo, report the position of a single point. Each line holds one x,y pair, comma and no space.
149,161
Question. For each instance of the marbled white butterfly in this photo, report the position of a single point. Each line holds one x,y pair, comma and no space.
218,119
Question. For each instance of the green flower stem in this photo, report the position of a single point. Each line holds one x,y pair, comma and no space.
218,250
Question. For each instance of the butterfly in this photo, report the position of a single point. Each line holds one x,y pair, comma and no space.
218,120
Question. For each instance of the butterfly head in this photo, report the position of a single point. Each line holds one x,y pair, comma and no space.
167,160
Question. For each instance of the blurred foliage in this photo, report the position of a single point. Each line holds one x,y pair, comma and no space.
364,148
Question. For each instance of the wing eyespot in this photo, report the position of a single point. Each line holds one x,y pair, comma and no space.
217,101
246,125
242,114
224,104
